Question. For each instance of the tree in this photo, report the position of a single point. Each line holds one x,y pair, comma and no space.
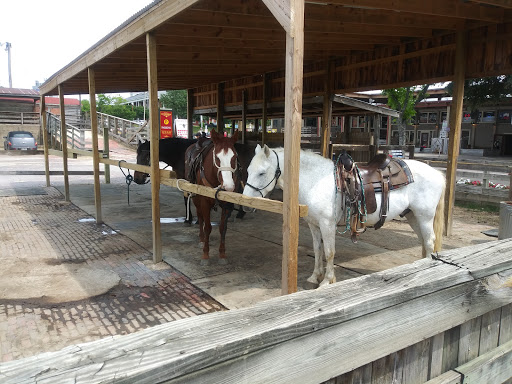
177,101
484,91
86,106
114,106
404,100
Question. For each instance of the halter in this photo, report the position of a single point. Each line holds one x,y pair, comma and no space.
147,175
220,169
276,177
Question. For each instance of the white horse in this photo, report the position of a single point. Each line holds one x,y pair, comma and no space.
422,201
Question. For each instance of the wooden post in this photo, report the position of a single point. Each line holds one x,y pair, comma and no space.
455,129
264,109
293,123
106,146
44,122
95,151
244,115
190,113
64,142
327,109
220,107
155,145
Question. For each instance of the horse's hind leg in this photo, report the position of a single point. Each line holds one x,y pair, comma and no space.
223,228
318,248
425,232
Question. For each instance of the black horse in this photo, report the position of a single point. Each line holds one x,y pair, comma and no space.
172,152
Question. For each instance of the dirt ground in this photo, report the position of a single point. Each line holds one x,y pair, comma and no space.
466,215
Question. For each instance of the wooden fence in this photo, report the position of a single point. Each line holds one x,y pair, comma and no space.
126,131
19,118
445,320
75,135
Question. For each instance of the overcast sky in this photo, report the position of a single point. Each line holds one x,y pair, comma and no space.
46,36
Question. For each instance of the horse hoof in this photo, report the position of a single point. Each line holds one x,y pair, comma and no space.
308,285
205,262
187,223
223,261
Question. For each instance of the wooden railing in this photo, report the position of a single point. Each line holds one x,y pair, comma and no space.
19,118
126,131
441,319
75,136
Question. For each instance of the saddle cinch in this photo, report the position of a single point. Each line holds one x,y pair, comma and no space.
381,175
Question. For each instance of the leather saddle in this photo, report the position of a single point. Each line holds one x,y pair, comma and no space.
360,183
194,158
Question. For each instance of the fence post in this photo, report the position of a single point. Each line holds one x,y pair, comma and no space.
485,180
106,153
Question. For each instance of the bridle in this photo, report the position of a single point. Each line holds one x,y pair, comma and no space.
221,169
277,174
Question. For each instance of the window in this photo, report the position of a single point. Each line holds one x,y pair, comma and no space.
357,122
504,116
487,116
466,117
428,118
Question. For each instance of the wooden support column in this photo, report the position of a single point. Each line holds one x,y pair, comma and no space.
190,113
293,123
106,146
220,107
64,142
455,122
155,145
95,151
44,123
244,115
327,108
264,109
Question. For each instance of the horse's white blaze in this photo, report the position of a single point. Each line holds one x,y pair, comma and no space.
224,163
318,191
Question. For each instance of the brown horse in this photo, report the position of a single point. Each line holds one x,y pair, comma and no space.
213,164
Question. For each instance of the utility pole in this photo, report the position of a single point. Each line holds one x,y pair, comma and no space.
8,49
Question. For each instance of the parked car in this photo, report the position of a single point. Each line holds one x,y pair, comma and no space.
20,140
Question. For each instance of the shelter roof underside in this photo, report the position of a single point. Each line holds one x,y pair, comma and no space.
374,45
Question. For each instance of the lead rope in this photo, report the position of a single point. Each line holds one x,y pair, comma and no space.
128,179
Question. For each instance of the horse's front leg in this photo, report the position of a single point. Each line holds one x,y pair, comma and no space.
223,228
329,239
318,248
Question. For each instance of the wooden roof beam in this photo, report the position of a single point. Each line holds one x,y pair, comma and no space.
443,8
154,16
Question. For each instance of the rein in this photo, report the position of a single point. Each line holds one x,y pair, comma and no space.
276,177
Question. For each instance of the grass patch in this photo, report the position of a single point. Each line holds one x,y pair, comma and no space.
481,207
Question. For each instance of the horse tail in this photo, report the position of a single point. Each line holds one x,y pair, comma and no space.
439,222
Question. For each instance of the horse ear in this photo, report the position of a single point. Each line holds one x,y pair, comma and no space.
267,150
257,149
213,134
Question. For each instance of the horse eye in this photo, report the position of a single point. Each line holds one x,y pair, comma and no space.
262,174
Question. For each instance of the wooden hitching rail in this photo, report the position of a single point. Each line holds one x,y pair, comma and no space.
310,336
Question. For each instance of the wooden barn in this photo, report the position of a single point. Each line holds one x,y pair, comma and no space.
289,58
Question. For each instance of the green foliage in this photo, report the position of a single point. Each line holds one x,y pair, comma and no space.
177,101
113,106
86,106
404,100
484,91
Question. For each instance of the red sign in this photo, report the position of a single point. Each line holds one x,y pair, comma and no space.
166,124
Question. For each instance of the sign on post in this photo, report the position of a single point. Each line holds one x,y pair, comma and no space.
166,123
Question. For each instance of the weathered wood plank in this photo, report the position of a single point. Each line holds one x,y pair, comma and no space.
489,333
494,366
473,260
388,369
325,332
469,340
506,324
450,377
416,359
436,355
